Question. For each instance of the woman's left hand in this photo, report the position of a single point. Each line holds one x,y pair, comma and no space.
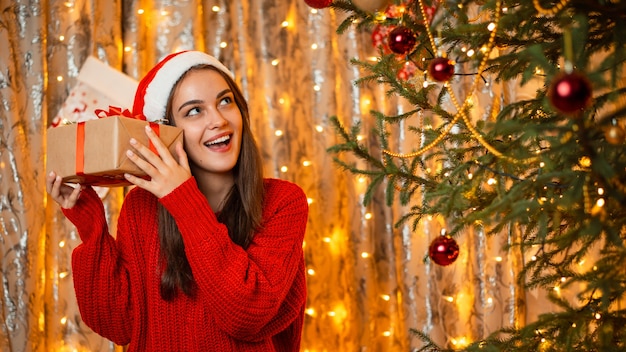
166,174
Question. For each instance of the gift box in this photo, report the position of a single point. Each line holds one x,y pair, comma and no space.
94,152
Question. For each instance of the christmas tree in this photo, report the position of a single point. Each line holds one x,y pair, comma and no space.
550,167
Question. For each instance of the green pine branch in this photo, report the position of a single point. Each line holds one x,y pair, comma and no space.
559,182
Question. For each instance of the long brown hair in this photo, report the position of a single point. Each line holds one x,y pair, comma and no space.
241,213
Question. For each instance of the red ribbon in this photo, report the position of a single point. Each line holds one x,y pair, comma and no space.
155,128
80,151
80,138
117,111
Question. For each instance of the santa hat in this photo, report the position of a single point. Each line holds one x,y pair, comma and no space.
155,88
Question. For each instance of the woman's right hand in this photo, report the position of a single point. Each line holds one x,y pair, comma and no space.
66,196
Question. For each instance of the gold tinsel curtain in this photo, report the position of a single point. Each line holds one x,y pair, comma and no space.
368,282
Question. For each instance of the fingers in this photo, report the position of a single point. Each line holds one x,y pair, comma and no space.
73,197
146,165
161,150
162,154
62,194
142,151
54,183
50,182
157,142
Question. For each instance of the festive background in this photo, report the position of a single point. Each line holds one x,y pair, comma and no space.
370,283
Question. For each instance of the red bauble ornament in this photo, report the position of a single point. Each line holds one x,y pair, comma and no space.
318,4
570,92
443,250
441,69
402,40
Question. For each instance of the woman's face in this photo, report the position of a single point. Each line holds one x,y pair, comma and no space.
203,105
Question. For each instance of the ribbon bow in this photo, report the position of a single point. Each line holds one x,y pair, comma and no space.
117,111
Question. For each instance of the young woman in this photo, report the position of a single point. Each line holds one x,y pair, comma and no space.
208,253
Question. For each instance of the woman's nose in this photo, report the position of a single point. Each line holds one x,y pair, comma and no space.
215,120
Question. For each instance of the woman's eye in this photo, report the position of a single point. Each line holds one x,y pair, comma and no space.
226,100
193,111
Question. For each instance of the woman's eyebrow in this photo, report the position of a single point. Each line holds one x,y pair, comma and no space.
224,92
198,101
190,102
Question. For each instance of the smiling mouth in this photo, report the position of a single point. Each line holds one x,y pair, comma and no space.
219,142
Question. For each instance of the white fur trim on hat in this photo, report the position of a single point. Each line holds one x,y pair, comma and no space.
158,90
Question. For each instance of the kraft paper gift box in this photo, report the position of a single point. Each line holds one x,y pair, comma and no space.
94,152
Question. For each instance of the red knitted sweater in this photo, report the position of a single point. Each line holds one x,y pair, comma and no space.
247,300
